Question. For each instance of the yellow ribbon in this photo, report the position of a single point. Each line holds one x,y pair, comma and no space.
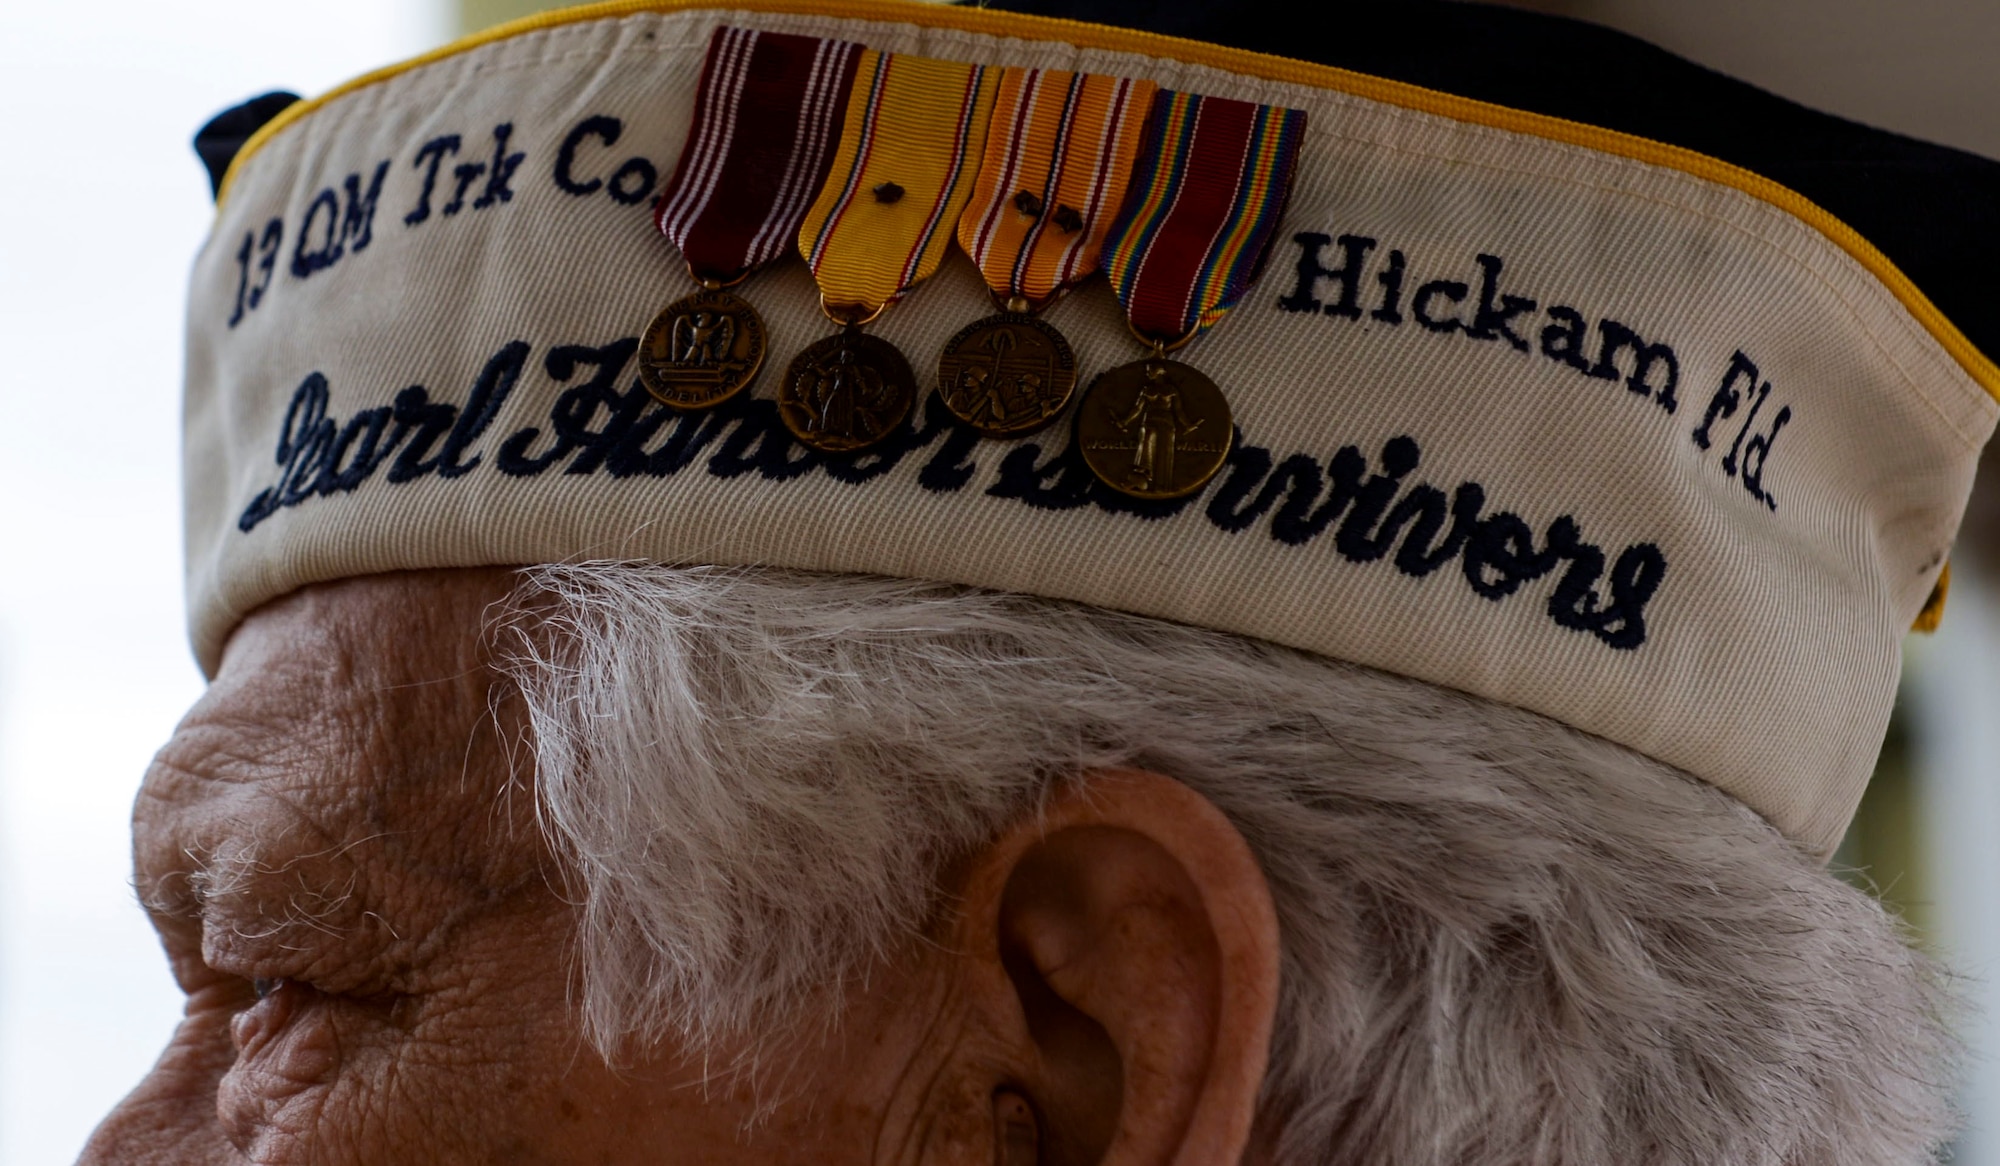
901,176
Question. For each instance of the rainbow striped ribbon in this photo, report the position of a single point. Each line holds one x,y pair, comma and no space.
901,176
760,146
1206,195
1057,163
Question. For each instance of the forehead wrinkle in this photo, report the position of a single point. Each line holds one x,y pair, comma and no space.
233,810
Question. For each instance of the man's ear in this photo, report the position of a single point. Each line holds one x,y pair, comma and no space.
1121,949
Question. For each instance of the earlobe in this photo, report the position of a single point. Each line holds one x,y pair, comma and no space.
1140,954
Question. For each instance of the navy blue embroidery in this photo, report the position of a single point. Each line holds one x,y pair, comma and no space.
763,445
301,433
1064,482
1500,555
421,421
242,276
500,171
603,420
607,129
692,434
1497,553
631,183
348,228
433,152
466,173
1298,520
1495,321
250,295
305,262
577,408
1649,368
1420,304
267,260
1565,339
1419,556
489,392
1391,279
1347,277
906,439
349,464
1247,467
1618,338
357,224
949,469
1750,452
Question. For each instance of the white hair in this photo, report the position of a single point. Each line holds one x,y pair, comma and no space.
1504,941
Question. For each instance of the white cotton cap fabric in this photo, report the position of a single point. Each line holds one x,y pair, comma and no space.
1745,616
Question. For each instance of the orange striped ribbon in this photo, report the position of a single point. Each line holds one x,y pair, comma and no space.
900,177
1058,158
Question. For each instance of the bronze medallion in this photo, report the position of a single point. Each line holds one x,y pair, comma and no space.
701,350
1007,375
1154,429
846,392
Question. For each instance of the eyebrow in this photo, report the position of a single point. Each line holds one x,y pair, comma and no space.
239,874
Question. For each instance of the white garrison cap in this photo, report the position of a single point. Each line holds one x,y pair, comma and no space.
1566,419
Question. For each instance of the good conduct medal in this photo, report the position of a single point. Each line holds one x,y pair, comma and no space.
901,176
1057,160
1204,202
765,119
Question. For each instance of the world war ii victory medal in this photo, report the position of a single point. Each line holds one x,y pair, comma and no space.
1058,157
1205,198
901,177
765,119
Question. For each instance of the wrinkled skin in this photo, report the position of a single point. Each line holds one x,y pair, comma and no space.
338,849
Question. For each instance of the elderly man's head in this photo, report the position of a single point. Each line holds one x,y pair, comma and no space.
1417,746
623,863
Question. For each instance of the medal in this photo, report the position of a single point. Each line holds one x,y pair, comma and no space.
900,178
1204,202
1058,156
765,119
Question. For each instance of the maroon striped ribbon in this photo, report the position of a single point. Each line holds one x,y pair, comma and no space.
766,120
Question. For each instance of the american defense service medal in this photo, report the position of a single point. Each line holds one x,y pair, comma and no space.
901,176
760,145
1179,256
1057,161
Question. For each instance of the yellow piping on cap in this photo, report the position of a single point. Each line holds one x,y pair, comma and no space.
1074,32
1933,612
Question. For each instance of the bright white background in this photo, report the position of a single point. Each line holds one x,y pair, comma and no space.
102,205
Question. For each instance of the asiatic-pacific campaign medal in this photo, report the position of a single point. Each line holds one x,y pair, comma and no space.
900,179
1057,160
1205,198
765,122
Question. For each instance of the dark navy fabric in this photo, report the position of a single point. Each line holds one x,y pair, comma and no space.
218,141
